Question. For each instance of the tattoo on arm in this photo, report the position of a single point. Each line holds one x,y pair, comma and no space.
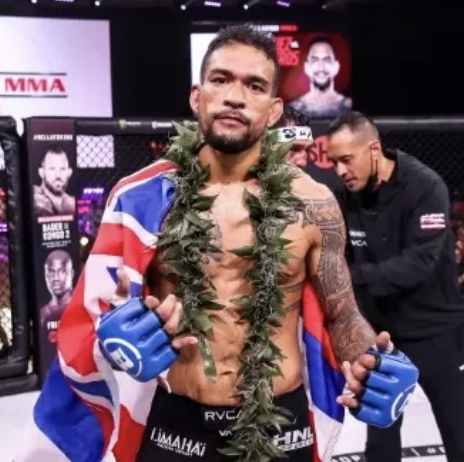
350,333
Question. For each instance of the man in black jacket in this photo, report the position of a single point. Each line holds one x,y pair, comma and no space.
401,253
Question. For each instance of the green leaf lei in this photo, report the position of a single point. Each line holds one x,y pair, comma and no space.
186,240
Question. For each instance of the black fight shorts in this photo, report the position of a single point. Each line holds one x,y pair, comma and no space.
179,430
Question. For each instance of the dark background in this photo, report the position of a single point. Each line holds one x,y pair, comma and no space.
407,55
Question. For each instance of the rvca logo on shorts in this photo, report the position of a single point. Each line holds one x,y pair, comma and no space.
220,416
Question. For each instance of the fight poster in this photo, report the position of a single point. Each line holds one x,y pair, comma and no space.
52,151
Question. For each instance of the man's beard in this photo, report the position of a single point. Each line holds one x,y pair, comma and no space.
55,191
323,86
60,293
229,145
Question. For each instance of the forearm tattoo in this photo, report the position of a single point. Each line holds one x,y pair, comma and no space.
350,333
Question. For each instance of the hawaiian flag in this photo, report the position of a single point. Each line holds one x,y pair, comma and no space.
86,411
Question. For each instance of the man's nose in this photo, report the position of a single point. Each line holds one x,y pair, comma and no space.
235,97
320,66
340,169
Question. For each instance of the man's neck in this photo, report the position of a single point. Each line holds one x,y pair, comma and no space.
51,193
60,300
229,168
385,169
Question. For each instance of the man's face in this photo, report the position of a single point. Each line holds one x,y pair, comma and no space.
353,158
321,65
235,103
299,153
55,172
59,276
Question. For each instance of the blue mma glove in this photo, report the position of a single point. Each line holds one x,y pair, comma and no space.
132,338
386,389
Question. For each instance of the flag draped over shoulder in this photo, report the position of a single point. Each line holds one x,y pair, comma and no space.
86,411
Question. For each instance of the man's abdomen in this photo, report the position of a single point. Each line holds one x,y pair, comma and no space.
186,376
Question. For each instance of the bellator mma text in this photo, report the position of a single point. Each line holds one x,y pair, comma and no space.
55,231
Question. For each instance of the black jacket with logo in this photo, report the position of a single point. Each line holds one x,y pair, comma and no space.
400,248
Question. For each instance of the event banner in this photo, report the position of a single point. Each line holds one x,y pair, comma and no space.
55,238
40,76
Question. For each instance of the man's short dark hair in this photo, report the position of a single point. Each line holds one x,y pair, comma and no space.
244,34
52,149
356,122
321,39
292,117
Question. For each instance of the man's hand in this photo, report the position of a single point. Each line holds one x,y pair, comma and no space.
379,384
139,337
356,373
170,311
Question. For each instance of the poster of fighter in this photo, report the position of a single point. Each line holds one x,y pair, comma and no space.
52,174
316,74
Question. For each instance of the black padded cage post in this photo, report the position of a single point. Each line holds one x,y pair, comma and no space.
14,365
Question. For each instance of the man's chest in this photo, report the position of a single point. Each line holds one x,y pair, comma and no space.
233,229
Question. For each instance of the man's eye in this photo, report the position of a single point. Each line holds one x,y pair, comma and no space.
219,80
256,87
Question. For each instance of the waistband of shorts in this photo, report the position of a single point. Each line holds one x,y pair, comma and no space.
293,401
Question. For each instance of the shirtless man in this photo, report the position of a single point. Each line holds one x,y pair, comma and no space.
235,104
59,274
51,198
321,66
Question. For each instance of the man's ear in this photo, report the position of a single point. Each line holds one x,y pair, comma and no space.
277,109
375,146
307,68
336,65
41,173
195,98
